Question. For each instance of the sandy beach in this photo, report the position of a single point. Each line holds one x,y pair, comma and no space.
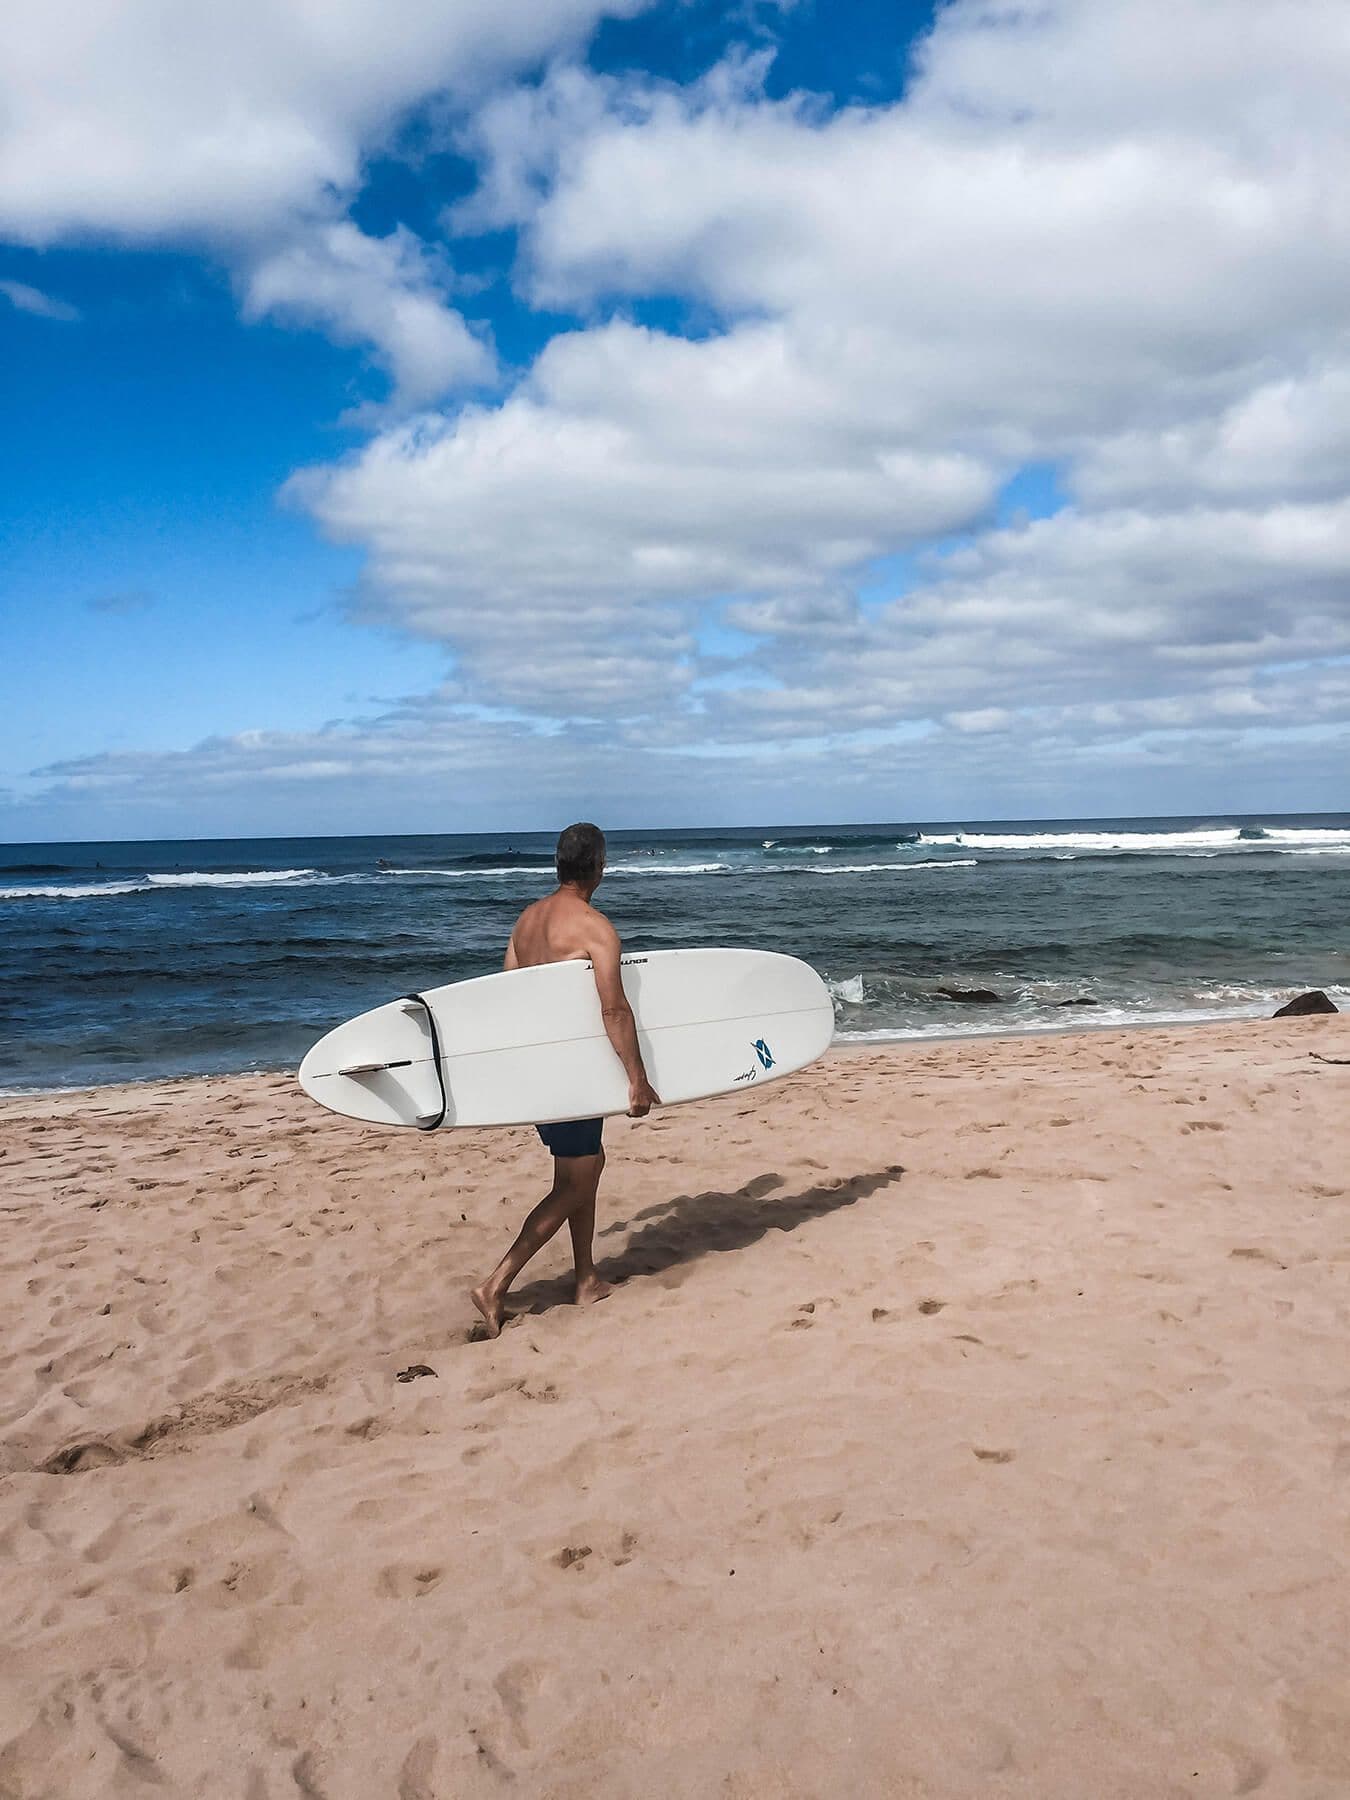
972,1419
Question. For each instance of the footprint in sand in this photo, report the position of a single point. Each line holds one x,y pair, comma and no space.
405,1581
418,1767
371,1426
76,1457
516,1686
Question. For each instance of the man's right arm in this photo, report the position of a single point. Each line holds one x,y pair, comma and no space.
620,1025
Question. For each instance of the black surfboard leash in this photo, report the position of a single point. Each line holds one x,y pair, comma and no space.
429,1123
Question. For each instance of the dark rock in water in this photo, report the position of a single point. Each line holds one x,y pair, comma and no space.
1084,1002
974,996
1302,1004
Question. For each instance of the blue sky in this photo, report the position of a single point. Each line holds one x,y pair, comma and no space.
472,421
158,590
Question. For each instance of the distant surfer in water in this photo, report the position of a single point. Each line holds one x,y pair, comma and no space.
565,927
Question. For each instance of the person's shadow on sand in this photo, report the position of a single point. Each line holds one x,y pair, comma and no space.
679,1231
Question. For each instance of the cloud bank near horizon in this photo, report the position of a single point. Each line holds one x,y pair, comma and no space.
754,504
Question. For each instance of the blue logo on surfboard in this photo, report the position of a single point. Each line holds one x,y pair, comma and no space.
765,1055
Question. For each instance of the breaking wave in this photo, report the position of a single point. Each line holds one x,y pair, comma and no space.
1211,839
245,878
91,890
147,884
893,868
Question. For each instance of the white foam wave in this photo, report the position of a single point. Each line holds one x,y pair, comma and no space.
146,884
850,990
473,874
1207,839
91,890
706,868
1306,835
1100,1018
241,878
951,862
1224,1003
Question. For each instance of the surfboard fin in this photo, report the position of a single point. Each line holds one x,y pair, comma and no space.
375,1068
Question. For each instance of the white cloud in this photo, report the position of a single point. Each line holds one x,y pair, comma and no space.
429,766
245,127
518,138
435,766
565,542
1290,436
144,118
1019,284
1145,285
382,291
1266,81
32,300
1077,620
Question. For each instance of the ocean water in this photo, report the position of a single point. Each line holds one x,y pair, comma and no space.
122,961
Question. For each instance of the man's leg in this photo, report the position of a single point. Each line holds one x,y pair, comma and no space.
581,1223
574,1184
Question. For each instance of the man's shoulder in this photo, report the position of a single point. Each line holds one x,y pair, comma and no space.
598,926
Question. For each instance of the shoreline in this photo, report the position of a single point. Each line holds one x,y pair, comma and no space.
848,1045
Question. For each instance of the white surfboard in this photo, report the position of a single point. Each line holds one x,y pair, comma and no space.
528,1046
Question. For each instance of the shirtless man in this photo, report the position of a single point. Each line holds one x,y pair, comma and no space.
565,927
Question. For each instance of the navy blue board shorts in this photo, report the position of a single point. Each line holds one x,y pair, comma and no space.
574,1137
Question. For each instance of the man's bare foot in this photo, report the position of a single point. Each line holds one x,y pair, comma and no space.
590,1288
491,1306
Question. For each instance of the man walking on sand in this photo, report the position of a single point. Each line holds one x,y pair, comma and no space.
565,927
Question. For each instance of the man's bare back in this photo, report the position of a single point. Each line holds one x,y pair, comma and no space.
561,928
